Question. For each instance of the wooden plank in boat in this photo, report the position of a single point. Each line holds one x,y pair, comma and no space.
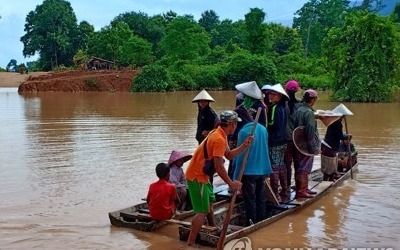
270,194
319,187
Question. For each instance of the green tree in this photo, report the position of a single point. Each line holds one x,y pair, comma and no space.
153,78
84,32
257,36
363,54
184,40
228,32
50,31
314,20
244,67
209,20
136,52
108,42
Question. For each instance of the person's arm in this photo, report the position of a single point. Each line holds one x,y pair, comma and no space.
230,154
220,168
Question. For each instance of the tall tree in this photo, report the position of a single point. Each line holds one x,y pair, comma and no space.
50,31
314,20
209,20
257,36
108,42
363,53
184,40
228,32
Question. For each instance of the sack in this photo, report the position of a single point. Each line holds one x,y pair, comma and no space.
209,168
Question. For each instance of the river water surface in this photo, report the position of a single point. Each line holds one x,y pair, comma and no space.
67,159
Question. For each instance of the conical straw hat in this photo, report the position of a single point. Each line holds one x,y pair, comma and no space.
203,95
342,110
250,89
279,89
328,117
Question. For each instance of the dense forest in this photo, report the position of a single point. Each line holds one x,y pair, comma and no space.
332,44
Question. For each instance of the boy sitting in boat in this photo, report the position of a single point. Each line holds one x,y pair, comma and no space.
162,196
177,176
343,155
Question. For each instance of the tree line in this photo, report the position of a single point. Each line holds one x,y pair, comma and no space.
332,44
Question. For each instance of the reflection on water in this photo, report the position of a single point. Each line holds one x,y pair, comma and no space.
67,159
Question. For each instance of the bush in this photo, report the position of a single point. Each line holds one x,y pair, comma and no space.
153,78
91,82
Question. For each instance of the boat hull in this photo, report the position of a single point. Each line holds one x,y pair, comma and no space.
276,212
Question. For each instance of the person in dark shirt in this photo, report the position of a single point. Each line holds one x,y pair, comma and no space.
329,148
207,119
277,121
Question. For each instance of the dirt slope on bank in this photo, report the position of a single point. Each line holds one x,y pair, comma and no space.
78,81
9,79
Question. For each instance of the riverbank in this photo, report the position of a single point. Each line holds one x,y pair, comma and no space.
10,79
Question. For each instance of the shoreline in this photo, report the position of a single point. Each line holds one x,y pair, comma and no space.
14,79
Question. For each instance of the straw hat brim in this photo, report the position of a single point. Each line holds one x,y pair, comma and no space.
203,95
250,89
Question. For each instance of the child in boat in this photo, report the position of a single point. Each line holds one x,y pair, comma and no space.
162,196
343,154
177,176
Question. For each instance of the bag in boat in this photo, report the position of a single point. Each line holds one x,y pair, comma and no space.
329,164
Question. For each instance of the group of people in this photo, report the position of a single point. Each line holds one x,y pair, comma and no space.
269,146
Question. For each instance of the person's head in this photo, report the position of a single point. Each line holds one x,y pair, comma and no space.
346,138
177,158
203,99
162,171
228,121
243,115
292,86
277,93
310,96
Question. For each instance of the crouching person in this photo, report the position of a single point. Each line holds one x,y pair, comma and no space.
162,196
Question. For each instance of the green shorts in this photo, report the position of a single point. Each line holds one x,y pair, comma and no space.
201,196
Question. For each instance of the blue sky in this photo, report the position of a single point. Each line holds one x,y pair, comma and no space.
100,12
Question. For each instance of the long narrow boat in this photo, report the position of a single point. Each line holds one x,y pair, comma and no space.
138,217
237,228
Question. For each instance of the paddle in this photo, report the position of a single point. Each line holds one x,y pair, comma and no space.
221,240
349,149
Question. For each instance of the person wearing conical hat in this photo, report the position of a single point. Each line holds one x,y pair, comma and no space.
206,117
252,100
277,121
177,176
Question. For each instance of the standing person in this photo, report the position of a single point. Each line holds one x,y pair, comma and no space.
177,177
162,196
257,167
206,117
200,189
252,100
291,153
277,122
329,149
304,116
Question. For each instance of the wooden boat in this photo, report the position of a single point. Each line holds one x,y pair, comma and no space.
237,228
138,217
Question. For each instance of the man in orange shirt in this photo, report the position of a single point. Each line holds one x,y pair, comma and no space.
162,196
200,188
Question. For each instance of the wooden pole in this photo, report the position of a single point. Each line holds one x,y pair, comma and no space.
221,240
349,149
